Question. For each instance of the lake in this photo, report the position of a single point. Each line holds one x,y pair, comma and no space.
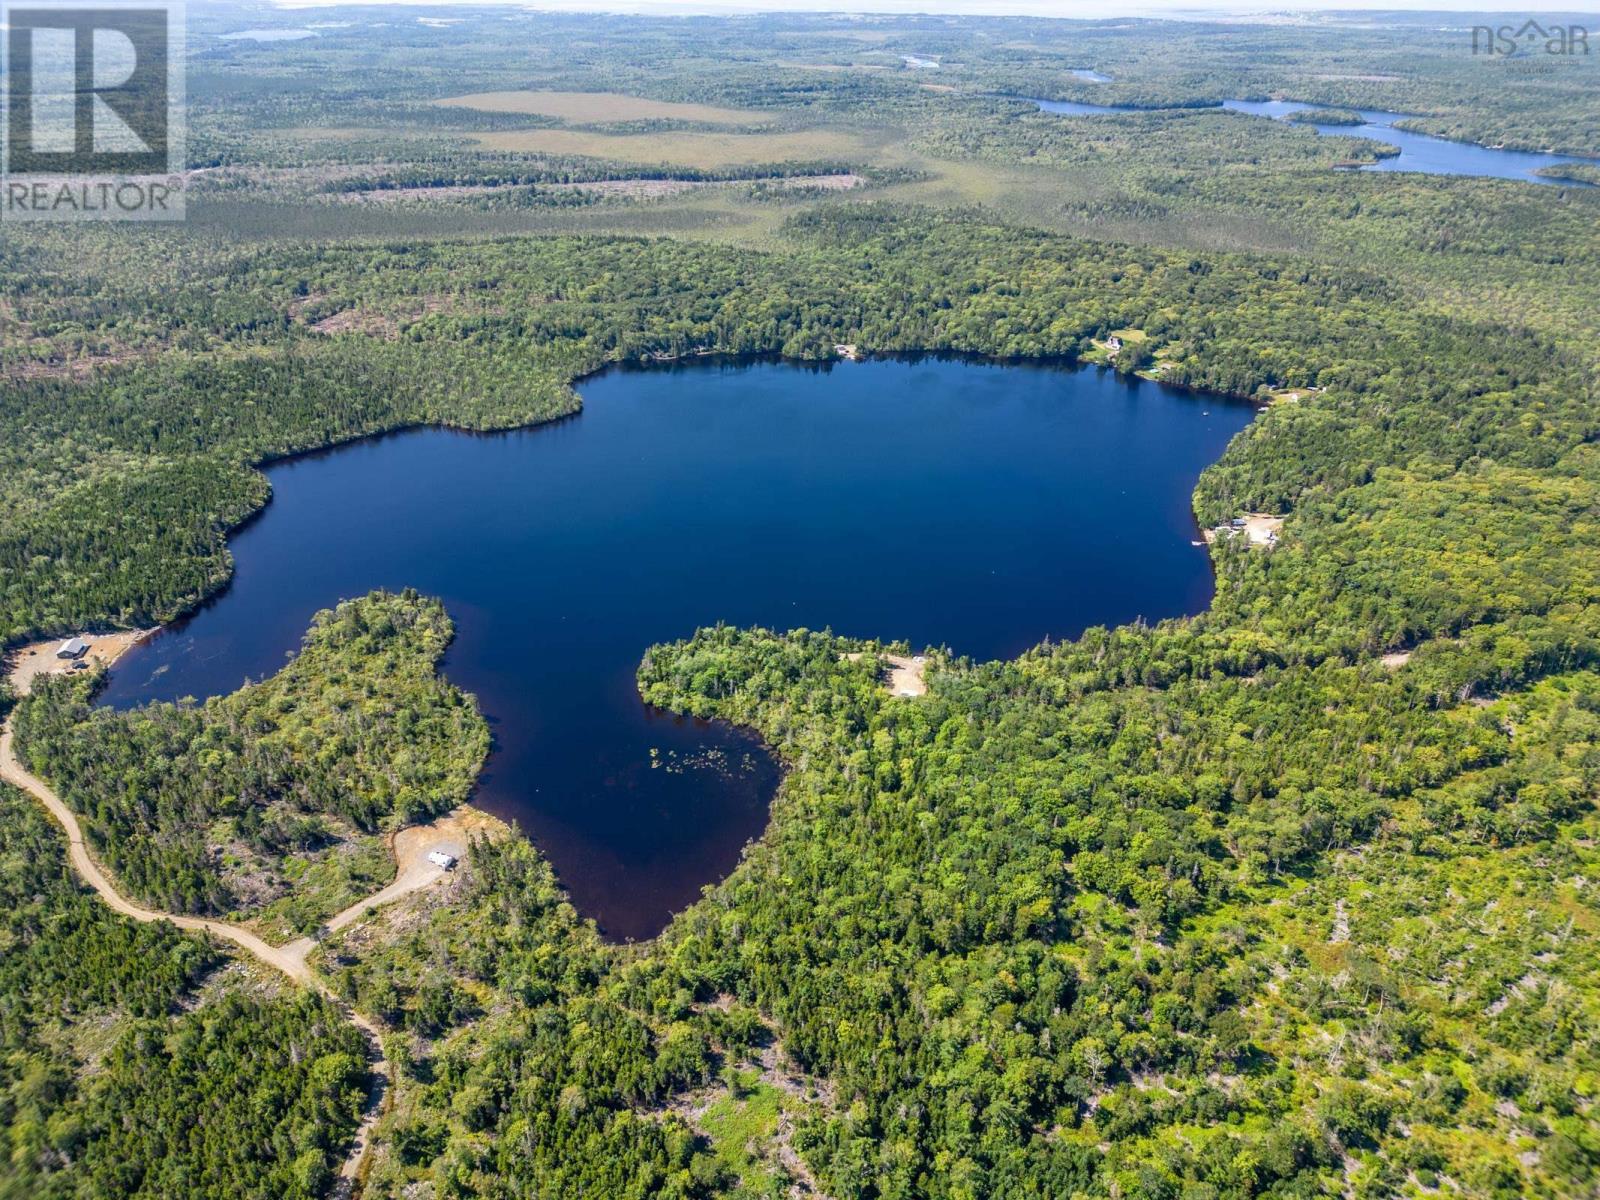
983,507
1418,151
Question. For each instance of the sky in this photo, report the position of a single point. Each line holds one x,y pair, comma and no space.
1091,9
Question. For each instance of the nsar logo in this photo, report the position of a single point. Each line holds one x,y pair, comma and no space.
1528,39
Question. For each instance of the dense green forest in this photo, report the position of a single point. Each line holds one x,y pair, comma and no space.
126,1071
377,72
1292,898
1161,141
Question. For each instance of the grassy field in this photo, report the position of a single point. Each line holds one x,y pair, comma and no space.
682,149
596,107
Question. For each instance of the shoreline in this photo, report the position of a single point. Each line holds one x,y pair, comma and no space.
690,360
22,664
905,682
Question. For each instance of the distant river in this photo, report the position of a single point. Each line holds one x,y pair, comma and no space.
1418,151
978,506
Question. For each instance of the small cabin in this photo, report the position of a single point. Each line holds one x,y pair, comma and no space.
1113,344
73,648
440,859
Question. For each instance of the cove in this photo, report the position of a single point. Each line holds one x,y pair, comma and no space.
943,502
1419,152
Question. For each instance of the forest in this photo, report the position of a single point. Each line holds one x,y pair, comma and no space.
1290,898
278,1077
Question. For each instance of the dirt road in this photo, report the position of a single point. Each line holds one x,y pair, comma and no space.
288,959
450,833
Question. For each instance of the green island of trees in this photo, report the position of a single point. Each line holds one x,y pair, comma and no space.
1325,116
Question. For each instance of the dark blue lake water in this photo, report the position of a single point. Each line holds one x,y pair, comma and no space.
978,506
1418,151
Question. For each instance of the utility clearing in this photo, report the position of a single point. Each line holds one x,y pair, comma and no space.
906,674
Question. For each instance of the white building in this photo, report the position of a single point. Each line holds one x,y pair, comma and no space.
73,648
440,859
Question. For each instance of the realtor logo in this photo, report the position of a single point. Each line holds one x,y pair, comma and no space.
93,112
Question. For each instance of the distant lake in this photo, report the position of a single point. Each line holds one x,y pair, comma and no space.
1418,151
980,506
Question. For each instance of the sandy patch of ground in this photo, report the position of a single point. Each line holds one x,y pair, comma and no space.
28,662
688,149
1396,660
906,675
452,834
1259,529
906,672
1262,528
355,320
592,107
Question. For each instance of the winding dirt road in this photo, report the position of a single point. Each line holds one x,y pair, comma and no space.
290,959
413,872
